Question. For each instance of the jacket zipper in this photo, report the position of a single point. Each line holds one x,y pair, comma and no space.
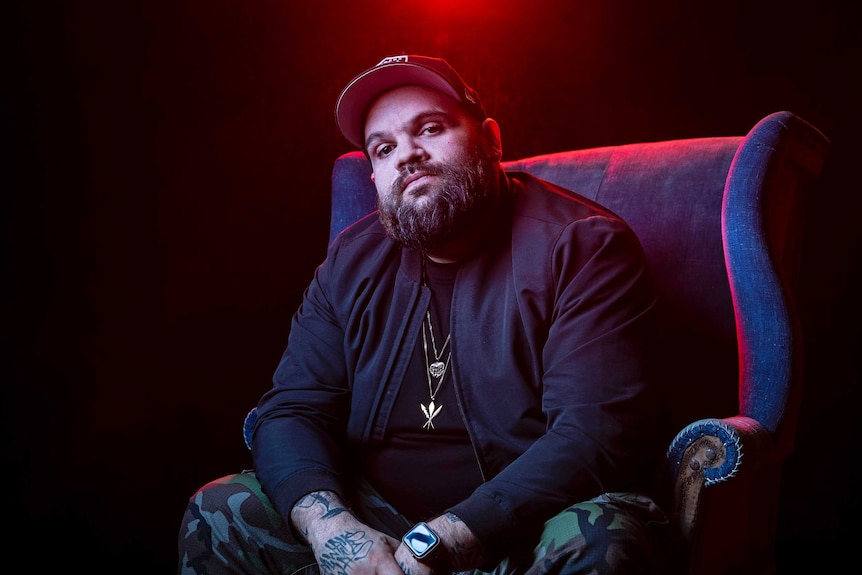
469,432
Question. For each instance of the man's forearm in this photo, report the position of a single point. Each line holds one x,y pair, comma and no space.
464,552
316,511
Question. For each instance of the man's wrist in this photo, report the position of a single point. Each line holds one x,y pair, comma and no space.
426,547
460,549
318,513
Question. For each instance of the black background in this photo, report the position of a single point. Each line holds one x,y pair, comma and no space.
165,176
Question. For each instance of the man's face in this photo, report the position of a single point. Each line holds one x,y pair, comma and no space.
433,165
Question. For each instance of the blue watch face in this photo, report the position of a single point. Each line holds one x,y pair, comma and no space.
421,540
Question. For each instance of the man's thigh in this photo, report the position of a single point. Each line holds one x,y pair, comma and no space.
231,526
615,533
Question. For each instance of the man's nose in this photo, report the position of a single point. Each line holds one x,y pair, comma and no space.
410,152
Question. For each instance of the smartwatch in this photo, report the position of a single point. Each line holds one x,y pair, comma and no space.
422,542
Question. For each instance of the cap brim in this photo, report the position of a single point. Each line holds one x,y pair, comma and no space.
356,98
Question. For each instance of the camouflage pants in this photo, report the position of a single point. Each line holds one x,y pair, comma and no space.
230,526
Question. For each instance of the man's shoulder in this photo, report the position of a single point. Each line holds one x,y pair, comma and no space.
541,199
364,240
366,231
361,254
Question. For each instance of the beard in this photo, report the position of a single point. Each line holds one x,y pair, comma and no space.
462,192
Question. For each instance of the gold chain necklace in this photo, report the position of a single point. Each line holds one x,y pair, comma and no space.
434,371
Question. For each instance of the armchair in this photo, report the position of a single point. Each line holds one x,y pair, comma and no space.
720,220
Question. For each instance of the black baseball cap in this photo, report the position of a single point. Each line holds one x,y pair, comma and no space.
403,70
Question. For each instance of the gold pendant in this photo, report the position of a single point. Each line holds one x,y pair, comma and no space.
430,413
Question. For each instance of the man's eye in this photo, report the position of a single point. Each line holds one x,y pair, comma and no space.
431,129
383,151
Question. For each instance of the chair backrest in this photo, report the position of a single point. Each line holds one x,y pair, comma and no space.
720,220
703,209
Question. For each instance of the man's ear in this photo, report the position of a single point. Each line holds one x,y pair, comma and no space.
372,178
491,133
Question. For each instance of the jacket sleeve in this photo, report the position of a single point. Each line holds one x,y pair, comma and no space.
301,419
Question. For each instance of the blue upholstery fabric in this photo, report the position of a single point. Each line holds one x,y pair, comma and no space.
353,193
763,206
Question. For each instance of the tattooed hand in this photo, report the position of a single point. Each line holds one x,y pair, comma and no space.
342,544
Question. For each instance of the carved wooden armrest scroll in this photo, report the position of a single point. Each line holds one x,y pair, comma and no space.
707,452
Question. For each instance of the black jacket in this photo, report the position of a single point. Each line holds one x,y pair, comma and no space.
551,324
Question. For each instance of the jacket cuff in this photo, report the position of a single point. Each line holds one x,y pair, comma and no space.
290,491
490,524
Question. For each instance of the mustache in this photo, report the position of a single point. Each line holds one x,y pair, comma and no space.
427,168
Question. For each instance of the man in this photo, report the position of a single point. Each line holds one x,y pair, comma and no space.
466,385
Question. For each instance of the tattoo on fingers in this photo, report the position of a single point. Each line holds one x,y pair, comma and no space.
342,551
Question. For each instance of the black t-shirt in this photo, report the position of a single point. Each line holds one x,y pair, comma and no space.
419,469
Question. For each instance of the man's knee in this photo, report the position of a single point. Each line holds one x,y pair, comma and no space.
224,521
609,534
230,501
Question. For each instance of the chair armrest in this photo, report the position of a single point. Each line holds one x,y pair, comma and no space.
710,451
248,426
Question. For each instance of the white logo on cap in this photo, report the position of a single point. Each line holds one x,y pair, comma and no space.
391,59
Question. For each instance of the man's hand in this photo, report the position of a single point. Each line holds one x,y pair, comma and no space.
341,543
